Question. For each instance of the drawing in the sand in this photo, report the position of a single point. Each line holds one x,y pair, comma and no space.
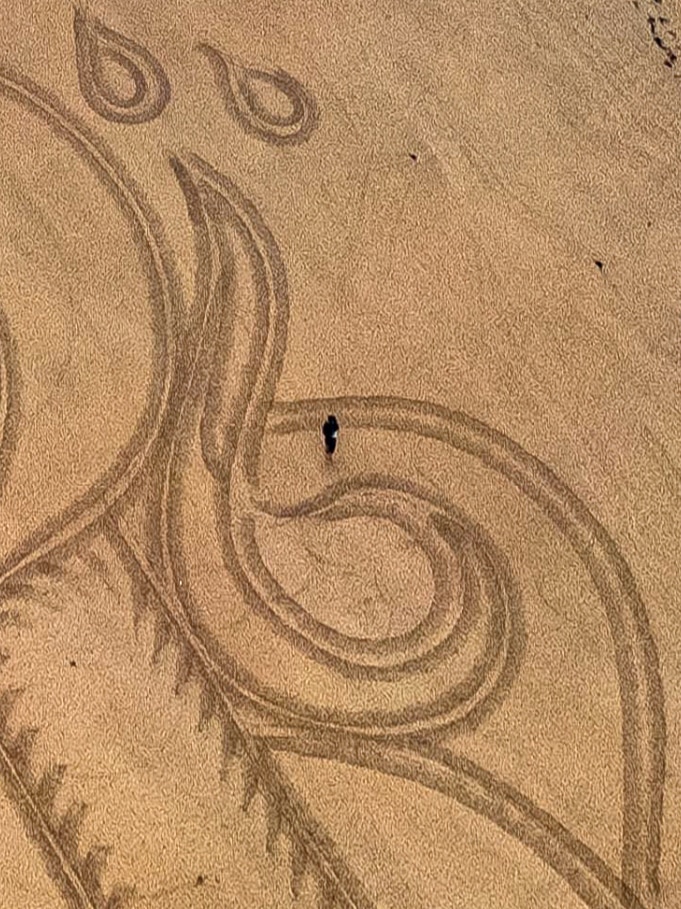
100,52
239,89
213,441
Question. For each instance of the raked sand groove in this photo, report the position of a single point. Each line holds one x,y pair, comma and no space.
99,48
238,86
282,826
162,301
457,661
9,401
484,640
77,873
312,850
242,293
78,877
468,784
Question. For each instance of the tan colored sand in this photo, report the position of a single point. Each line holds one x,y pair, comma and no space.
442,669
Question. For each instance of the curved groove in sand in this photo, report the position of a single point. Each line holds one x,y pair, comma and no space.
469,785
238,85
282,799
98,48
10,407
231,453
237,410
641,694
162,299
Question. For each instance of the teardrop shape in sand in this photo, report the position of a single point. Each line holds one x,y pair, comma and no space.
120,80
268,104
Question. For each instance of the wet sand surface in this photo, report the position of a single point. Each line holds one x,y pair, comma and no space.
440,667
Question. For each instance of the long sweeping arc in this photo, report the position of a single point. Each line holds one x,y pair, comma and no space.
164,297
636,658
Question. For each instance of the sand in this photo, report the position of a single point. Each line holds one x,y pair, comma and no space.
438,668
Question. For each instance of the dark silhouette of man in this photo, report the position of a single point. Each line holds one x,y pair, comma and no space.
330,434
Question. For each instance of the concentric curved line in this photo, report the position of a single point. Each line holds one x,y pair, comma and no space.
163,298
636,658
469,785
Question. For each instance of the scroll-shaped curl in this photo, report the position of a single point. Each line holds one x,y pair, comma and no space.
459,658
100,51
456,664
239,88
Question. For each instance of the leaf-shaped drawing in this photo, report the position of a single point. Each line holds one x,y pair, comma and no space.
247,471
268,104
59,604
82,403
119,78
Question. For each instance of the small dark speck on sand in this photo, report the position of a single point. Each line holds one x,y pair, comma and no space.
200,880
413,156
72,663
598,264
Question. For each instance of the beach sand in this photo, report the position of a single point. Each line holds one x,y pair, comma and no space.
440,668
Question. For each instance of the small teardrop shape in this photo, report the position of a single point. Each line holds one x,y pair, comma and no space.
101,55
252,96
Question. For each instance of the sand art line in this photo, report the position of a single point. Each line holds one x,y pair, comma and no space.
643,717
287,813
238,83
97,47
77,873
10,397
78,878
60,868
163,299
490,607
239,409
473,787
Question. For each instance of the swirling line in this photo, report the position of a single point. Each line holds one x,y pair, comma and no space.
247,419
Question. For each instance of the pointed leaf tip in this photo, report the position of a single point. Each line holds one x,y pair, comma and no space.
298,866
250,775
48,787
21,749
70,829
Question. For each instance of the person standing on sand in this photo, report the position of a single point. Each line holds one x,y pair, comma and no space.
330,434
